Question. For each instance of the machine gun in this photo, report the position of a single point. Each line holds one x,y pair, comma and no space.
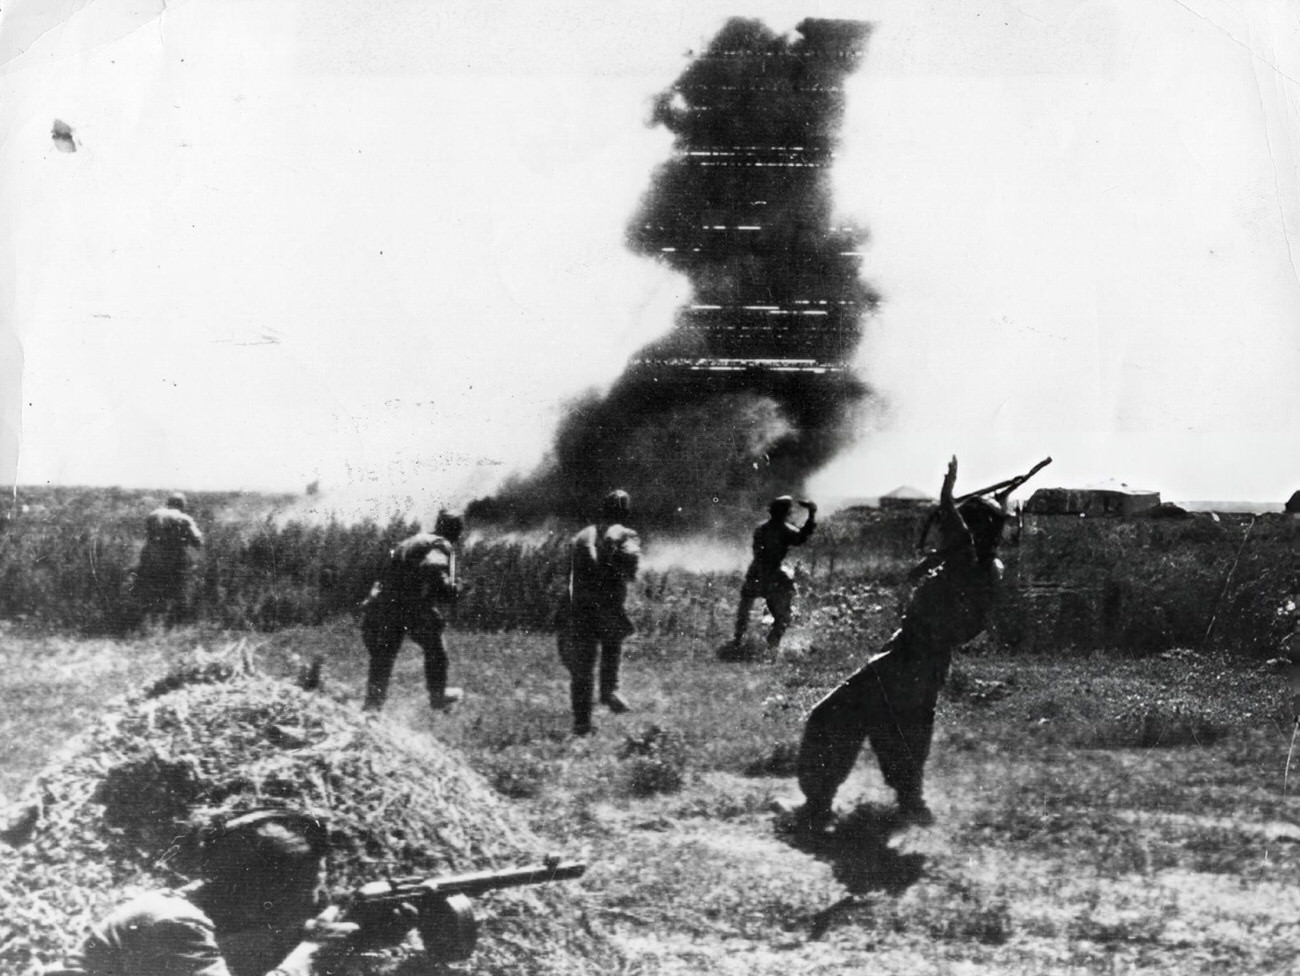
999,488
439,908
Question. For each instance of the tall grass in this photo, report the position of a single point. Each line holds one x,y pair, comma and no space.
1145,585
1137,585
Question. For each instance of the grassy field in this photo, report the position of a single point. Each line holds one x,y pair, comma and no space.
1094,814
1128,586
1111,773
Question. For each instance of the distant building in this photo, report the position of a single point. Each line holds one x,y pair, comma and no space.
906,497
1113,498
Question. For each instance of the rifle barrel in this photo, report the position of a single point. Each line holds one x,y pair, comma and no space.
1015,482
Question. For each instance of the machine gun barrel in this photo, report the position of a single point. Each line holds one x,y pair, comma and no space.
476,883
440,908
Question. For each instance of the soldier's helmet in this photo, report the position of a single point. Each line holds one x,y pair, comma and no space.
449,525
780,506
267,843
616,505
985,518
176,500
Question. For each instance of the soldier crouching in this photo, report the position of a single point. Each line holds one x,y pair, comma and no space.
410,599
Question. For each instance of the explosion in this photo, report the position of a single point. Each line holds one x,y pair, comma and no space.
751,391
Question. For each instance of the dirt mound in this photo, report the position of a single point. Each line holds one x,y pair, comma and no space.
112,818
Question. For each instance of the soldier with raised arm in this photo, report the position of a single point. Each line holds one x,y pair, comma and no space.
891,700
768,577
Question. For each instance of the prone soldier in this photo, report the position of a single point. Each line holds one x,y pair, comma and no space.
261,907
256,909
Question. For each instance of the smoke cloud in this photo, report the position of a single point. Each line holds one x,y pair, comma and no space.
751,391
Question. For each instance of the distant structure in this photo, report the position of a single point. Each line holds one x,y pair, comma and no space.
1293,504
1110,499
906,498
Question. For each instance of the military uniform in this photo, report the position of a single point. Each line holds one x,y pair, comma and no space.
604,559
162,577
264,876
410,599
165,933
767,576
891,700
161,933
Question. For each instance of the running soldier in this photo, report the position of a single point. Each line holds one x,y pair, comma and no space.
410,599
162,577
891,700
603,560
768,576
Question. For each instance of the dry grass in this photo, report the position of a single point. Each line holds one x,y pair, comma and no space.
157,767
1106,807
1071,837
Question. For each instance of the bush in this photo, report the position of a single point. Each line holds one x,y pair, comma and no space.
781,760
1150,725
656,761
1144,585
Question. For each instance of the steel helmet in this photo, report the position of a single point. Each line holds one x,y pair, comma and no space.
449,525
781,505
616,505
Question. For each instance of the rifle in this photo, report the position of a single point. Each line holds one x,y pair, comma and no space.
439,908
1008,486
1000,487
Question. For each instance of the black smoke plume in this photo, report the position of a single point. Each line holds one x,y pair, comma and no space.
752,390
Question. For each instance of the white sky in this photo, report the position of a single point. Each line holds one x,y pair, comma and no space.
380,244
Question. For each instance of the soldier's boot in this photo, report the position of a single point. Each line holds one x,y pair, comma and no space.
448,697
381,669
780,605
580,696
805,818
611,657
912,808
615,702
374,699
743,610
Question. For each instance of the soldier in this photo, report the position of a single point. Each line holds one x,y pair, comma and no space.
768,576
891,700
410,598
603,559
162,577
255,910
